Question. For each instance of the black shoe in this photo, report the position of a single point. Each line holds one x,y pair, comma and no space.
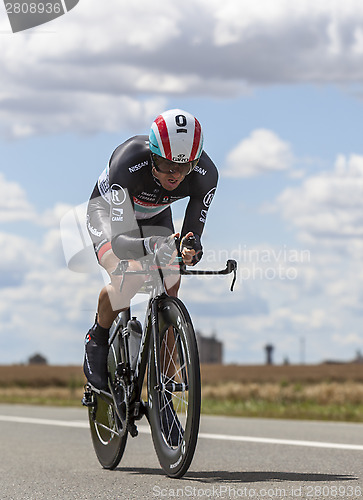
170,424
95,362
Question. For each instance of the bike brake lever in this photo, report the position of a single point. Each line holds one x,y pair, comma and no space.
232,267
188,243
121,268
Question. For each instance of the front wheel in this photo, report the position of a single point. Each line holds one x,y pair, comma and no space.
174,408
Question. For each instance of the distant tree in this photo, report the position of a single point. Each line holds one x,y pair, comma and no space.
37,359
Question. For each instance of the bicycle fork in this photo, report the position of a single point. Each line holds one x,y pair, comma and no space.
160,385
156,338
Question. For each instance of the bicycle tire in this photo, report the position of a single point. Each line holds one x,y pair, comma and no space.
175,457
109,446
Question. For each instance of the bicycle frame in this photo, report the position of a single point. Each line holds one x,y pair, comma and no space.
157,292
151,328
150,331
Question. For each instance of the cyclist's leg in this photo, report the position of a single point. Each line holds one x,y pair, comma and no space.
168,352
162,225
111,301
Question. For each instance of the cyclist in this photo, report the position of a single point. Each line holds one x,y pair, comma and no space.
129,216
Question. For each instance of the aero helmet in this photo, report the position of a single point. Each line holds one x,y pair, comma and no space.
177,136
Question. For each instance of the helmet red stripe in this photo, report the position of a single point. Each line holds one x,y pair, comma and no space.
196,141
164,136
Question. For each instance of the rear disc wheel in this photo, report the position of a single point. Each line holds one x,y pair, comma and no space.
105,424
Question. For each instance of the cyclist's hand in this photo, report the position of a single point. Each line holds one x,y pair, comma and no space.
163,248
187,251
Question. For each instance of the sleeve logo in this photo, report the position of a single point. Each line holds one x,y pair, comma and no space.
207,200
118,194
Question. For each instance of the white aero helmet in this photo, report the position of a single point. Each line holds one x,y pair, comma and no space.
177,136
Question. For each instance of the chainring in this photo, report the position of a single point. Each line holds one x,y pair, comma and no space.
122,406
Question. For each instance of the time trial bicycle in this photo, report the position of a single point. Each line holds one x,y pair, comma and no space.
167,350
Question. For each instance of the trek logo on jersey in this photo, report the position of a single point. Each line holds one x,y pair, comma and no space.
118,195
117,215
30,13
208,198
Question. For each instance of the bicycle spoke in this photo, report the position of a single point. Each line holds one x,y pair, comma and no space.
176,370
167,351
174,420
168,378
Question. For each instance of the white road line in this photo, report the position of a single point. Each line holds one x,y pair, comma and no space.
44,421
144,429
287,442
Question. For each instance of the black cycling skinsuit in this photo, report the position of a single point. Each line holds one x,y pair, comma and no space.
128,203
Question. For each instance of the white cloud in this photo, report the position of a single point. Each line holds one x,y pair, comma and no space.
14,205
108,67
44,307
324,303
262,152
328,208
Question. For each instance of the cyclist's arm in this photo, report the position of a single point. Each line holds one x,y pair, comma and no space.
126,238
126,241
200,200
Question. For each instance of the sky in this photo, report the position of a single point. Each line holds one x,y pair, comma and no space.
277,87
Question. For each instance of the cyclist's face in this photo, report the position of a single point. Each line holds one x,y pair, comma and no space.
169,181
170,174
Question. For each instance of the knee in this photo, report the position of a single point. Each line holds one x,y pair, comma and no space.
104,297
173,289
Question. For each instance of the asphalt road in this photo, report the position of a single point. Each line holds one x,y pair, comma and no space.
46,453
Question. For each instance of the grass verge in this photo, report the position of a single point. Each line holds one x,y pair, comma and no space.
267,409
319,392
257,400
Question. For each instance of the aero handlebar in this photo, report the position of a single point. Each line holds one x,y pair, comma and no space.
179,268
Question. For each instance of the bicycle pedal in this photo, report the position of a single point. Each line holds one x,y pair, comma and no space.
87,400
132,430
140,410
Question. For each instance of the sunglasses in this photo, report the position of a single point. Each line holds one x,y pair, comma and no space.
165,166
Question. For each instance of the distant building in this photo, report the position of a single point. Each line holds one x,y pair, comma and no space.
358,358
37,359
269,350
210,349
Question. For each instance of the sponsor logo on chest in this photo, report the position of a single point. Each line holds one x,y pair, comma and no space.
151,197
137,167
200,170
